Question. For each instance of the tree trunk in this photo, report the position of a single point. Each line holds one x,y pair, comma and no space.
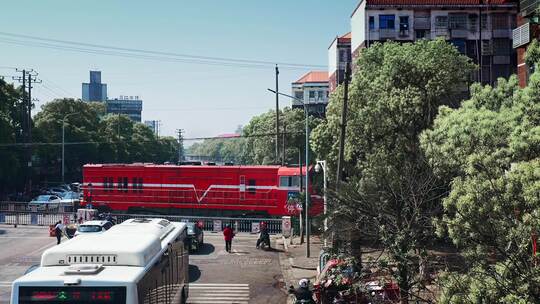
403,283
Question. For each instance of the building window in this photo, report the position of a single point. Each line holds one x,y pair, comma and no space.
484,21
501,47
371,22
343,56
500,21
421,34
457,21
320,95
387,22
459,44
299,95
473,22
311,94
403,23
441,22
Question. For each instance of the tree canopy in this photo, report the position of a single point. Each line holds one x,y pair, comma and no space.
391,194
257,142
489,151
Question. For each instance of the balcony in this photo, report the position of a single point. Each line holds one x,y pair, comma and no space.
387,34
422,23
459,33
441,32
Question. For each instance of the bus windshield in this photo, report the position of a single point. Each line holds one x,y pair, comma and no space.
89,228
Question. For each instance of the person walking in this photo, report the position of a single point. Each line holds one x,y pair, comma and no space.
228,235
58,231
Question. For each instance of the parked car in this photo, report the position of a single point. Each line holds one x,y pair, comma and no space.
58,191
93,227
70,201
45,203
195,236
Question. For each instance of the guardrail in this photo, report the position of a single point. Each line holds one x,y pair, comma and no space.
209,223
24,217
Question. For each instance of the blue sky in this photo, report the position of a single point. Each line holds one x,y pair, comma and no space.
205,100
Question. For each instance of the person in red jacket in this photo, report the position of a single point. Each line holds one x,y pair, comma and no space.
228,235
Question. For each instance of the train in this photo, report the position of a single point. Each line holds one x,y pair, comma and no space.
199,190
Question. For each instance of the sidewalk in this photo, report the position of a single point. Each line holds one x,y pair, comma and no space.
294,263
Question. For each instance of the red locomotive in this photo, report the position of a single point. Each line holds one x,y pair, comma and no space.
196,190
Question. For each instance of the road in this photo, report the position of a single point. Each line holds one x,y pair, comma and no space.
247,275
20,248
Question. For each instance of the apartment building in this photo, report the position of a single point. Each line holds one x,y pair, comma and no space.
482,30
312,89
339,54
527,29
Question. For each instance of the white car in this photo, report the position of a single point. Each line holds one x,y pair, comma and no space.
93,227
45,202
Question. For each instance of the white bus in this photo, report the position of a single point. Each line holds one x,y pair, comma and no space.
142,261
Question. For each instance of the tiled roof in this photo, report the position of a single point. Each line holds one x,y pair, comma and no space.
346,36
437,2
314,76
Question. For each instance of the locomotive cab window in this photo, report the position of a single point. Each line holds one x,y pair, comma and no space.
289,181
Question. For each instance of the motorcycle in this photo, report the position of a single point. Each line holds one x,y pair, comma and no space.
264,241
291,291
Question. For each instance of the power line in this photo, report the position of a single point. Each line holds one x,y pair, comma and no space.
222,59
253,65
144,141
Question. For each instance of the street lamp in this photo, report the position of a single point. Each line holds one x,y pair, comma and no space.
307,166
63,141
321,165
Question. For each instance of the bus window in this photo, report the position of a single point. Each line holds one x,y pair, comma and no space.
119,184
135,185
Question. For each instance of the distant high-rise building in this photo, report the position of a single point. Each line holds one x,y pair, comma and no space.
128,105
94,90
153,125
312,88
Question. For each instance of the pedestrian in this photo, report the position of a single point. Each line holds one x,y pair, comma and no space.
58,231
228,235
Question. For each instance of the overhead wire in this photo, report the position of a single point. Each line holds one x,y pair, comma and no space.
146,57
212,58
142,141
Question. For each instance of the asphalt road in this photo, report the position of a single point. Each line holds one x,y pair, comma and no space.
246,275
20,248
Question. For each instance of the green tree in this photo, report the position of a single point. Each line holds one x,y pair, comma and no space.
489,151
257,144
391,194
81,125
10,133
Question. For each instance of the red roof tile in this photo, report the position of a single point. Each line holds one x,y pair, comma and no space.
314,76
346,36
437,2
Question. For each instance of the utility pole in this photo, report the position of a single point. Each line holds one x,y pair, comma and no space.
26,120
277,115
283,144
180,145
339,175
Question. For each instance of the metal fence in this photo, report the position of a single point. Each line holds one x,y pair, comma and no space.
19,214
